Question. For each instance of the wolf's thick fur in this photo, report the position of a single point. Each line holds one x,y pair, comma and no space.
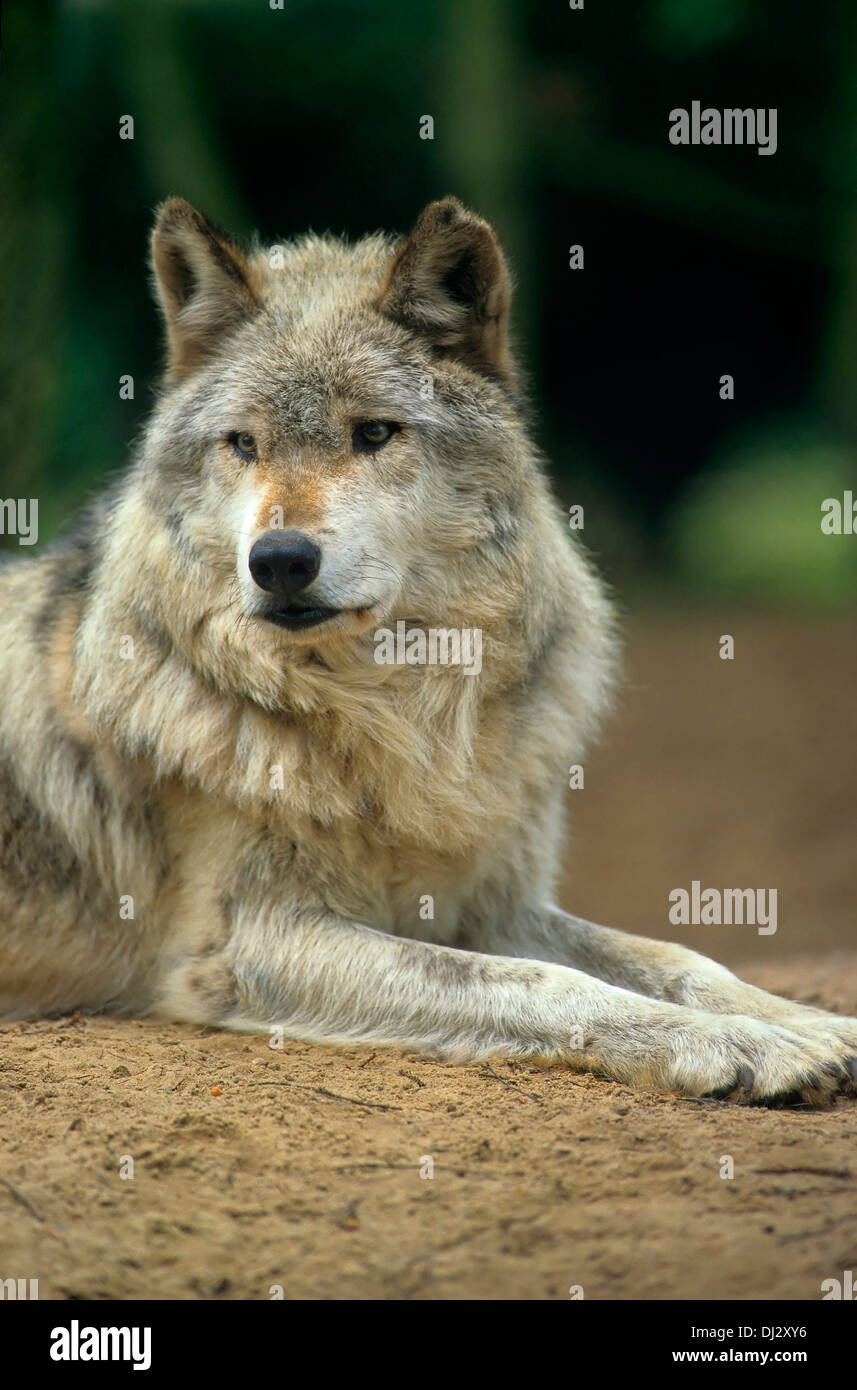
211,816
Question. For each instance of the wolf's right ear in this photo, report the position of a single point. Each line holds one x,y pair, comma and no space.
202,281
450,283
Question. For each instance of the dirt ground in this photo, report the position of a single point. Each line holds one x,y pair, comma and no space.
306,1168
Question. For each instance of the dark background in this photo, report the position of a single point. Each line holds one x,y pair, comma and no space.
552,123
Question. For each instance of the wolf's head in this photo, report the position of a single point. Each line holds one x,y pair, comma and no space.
339,445
339,426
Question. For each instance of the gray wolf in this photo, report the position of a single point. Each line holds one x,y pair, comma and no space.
217,806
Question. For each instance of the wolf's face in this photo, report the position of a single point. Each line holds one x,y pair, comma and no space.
339,429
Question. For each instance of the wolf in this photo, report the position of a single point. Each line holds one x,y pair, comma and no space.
217,806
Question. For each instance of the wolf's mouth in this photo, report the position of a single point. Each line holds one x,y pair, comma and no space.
296,618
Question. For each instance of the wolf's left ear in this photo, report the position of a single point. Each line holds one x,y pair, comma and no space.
203,284
450,282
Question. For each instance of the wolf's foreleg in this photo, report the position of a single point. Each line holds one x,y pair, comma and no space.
330,980
666,971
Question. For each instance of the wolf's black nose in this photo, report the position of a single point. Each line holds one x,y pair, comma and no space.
284,562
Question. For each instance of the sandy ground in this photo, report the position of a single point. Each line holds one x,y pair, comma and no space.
307,1167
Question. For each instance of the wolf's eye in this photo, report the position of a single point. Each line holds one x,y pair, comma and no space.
244,444
373,434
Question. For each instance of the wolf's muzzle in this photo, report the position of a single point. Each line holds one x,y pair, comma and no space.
284,564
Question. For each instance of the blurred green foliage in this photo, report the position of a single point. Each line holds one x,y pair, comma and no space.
750,528
552,123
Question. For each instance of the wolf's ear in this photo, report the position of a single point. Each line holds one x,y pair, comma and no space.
203,284
451,283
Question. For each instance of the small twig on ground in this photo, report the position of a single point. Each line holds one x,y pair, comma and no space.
25,1201
489,1071
843,1173
332,1095
411,1077
345,1167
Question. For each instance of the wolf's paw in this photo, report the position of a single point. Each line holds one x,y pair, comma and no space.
835,1034
730,1057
